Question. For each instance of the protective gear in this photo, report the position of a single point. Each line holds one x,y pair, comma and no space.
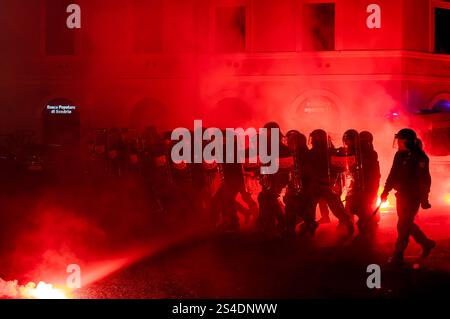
371,175
270,125
224,206
351,137
346,162
410,177
346,170
366,138
409,136
425,205
406,134
271,217
407,209
296,140
297,145
427,248
318,175
318,138
295,199
273,125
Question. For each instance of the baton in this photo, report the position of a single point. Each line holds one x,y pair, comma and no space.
376,210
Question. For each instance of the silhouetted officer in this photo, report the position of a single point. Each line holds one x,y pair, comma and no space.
410,177
115,149
224,206
371,176
271,215
351,179
177,184
296,198
319,176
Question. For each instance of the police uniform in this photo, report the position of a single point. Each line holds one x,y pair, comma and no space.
296,200
271,214
351,178
270,210
371,177
410,177
319,188
223,205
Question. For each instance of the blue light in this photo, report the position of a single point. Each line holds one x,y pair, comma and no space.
442,106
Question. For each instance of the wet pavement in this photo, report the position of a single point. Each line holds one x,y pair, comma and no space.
248,265
125,252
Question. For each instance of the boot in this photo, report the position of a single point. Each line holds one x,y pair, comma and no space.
427,248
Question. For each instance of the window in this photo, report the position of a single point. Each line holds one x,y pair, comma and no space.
230,29
441,28
59,40
318,27
148,26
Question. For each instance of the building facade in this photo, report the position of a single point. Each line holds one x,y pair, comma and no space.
305,63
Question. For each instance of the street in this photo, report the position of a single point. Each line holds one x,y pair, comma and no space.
250,266
125,252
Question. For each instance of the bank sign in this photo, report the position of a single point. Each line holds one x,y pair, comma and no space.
61,109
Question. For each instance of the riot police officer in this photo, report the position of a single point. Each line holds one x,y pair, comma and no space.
296,199
271,218
371,177
410,177
320,175
351,179
224,207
